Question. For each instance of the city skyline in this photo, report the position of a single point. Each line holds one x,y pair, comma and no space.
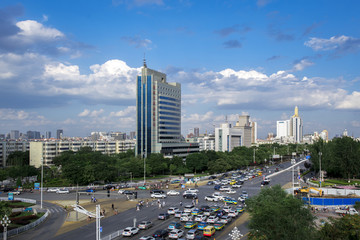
260,58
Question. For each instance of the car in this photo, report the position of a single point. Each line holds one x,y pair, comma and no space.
63,191
158,195
176,233
173,193
128,192
145,225
52,190
90,190
263,183
178,214
108,187
217,187
214,208
233,213
147,238
192,190
204,207
191,234
209,231
245,194
172,210
161,233
220,213
174,225
231,191
190,224
190,196
157,191
211,198
240,209
200,218
189,208
218,225
207,212
241,199
225,219
186,217
163,216
237,185
211,177
227,208
202,225
15,192
212,219
218,195
130,231
224,188
210,183
230,200
196,211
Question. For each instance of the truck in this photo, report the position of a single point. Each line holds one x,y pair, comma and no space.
351,211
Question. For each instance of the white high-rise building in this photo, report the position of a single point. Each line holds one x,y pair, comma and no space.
226,138
296,127
282,128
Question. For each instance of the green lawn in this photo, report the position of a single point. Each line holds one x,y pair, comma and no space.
338,182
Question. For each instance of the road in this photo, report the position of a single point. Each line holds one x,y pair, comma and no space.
127,218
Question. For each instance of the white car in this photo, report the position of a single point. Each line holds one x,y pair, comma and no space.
218,195
130,231
192,190
176,233
62,191
241,199
233,213
178,214
186,217
189,208
231,191
52,190
211,198
224,188
15,192
227,209
172,210
147,238
212,219
158,195
225,219
200,218
173,193
236,185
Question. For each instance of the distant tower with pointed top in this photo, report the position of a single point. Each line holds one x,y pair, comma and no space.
296,126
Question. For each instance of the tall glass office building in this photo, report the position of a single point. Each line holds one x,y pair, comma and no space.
158,114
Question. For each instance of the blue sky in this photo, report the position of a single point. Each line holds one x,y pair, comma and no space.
72,64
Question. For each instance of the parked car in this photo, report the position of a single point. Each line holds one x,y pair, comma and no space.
130,231
161,233
145,225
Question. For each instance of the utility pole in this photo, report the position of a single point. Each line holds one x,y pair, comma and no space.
98,222
42,184
320,153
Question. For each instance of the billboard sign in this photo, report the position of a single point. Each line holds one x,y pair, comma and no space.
36,186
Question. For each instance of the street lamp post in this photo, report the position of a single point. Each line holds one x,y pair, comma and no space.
144,172
41,188
5,222
320,153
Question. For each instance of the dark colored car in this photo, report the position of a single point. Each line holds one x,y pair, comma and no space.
127,192
108,187
265,182
161,233
204,207
220,213
210,183
190,196
217,187
212,177
163,216
8,189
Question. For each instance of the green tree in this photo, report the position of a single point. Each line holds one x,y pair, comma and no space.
278,215
4,209
18,158
344,228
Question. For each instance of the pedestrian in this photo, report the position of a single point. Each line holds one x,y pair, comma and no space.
137,207
163,204
180,203
112,206
159,205
147,202
197,201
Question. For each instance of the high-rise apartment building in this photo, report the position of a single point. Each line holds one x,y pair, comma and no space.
59,134
196,132
296,126
282,128
158,116
47,134
253,132
244,124
227,138
14,134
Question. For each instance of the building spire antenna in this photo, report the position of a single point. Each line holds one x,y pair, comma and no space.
145,61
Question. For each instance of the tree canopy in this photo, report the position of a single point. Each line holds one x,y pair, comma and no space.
278,215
